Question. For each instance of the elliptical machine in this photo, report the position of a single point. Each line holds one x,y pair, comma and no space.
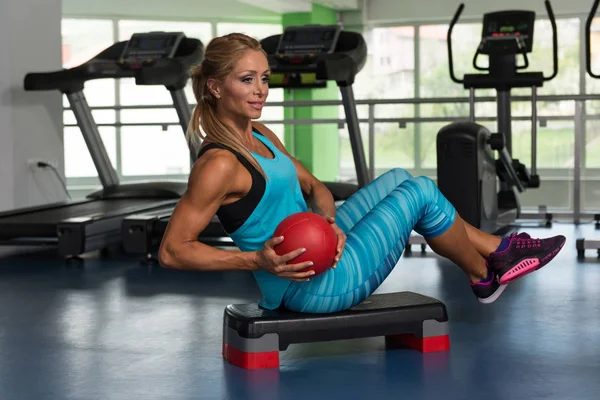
467,171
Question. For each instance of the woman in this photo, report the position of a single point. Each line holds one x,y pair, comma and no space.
246,177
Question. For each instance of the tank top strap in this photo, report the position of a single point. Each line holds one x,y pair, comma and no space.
257,134
241,158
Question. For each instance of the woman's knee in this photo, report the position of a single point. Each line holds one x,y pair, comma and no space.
400,174
397,175
432,195
426,184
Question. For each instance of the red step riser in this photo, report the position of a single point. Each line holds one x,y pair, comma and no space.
425,345
271,359
250,360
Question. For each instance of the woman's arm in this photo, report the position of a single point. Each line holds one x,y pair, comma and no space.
210,182
212,179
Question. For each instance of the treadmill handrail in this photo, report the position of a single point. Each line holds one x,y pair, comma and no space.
73,79
70,80
106,65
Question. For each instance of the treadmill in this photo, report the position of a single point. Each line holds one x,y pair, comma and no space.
77,227
302,57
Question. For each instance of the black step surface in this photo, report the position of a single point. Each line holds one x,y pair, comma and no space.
378,315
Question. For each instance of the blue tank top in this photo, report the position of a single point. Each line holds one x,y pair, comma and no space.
282,197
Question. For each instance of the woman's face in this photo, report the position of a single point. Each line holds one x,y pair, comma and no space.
243,92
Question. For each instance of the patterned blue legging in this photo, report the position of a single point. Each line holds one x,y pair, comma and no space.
377,221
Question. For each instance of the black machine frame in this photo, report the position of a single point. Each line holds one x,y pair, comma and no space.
95,223
339,60
468,172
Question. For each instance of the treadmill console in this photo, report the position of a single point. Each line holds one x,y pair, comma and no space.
308,39
297,52
504,26
144,49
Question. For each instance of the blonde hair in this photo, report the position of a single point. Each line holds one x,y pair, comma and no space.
220,58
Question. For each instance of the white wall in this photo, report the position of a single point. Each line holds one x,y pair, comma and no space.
383,11
30,122
173,9
6,137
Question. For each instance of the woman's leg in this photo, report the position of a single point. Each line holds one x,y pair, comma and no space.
352,210
484,242
361,202
455,245
447,245
375,243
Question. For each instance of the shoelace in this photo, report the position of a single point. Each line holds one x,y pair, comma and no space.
528,243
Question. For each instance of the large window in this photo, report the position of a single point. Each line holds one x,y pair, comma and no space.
434,78
591,187
152,150
81,40
151,143
392,72
403,62
390,66
388,74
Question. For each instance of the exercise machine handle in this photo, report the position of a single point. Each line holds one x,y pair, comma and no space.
554,41
475,65
523,52
497,142
588,40
506,160
534,122
449,40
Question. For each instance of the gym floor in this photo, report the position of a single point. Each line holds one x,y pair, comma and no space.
114,329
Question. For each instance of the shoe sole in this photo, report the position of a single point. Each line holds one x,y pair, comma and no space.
493,297
528,266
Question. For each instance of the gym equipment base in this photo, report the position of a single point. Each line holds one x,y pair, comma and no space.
253,337
587,244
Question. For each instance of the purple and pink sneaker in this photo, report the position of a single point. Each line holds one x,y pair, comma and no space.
517,256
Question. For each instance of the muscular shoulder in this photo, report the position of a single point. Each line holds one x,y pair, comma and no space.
216,161
214,172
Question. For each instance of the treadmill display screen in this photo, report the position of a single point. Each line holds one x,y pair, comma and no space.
151,46
509,25
309,39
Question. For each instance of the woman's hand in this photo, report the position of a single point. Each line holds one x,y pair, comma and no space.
341,236
267,259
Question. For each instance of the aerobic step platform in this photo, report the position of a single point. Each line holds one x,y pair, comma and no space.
253,337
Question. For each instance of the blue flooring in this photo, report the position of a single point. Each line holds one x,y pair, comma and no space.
114,329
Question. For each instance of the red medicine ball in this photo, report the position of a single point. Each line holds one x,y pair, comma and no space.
312,232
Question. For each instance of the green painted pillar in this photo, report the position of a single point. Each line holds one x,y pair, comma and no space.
316,146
